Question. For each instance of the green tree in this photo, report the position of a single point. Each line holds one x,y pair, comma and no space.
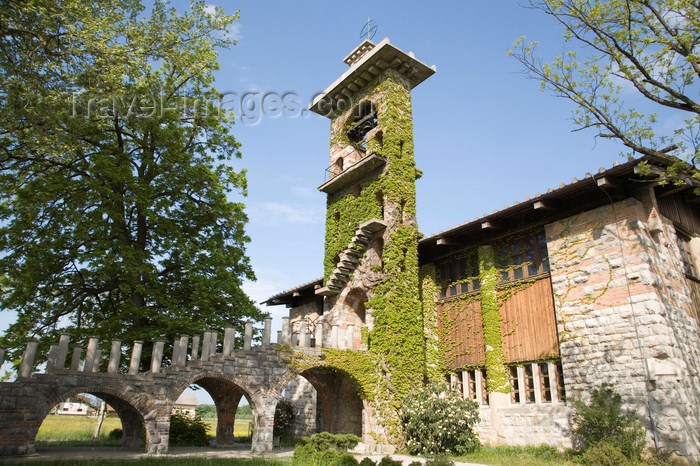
116,171
649,45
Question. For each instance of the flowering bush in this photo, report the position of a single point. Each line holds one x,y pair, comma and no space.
437,420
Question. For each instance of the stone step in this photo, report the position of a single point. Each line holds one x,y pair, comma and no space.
373,225
339,273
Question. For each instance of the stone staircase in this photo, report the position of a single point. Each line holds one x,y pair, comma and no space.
350,257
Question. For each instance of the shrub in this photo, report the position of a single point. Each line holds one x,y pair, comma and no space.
284,417
437,420
325,449
115,434
603,421
604,454
187,432
367,462
439,462
387,461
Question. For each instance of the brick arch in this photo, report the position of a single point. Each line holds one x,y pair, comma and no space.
342,407
130,414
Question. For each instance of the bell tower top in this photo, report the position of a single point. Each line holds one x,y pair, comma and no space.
367,61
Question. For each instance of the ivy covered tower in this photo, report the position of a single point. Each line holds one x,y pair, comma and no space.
370,283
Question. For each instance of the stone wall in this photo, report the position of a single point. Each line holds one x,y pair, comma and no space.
623,316
531,424
303,397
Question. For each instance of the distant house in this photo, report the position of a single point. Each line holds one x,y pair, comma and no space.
186,405
71,408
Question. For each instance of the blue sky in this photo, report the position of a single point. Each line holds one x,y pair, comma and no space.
485,135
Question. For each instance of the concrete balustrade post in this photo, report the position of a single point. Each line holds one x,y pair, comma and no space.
206,343
295,339
115,355
62,354
266,331
195,348
135,358
75,359
334,336
279,337
182,356
90,354
27,362
285,331
229,340
248,337
96,361
351,336
2,356
214,337
319,334
157,356
176,352
302,333
51,358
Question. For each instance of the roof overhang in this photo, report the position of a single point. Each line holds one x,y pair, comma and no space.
367,63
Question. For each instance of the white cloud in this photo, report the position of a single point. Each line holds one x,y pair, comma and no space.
277,214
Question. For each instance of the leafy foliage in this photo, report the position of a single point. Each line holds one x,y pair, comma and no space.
324,449
437,420
602,421
615,45
604,454
115,217
187,432
284,417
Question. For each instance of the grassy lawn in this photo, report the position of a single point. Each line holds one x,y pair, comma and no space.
182,462
65,428
78,430
531,455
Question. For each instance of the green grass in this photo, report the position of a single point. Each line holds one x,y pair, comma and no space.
76,431
530,455
183,462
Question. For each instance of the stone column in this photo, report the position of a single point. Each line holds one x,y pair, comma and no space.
2,356
157,357
157,427
195,348
182,356
248,337
319,334
213,341
521,385
51,358
115,355
206,344
75,359
279,337
96,361
229,340
62,354
264,420
334,336
350,336
135,358
553,382
176,352
536,381
27,362
302,333
266,331
90,354
285,331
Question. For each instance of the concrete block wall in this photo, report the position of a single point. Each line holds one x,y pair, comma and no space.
623,318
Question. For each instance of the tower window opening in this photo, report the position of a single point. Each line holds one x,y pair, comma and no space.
339,165
363,119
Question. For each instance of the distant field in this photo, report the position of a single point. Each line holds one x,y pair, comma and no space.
59,428
63,428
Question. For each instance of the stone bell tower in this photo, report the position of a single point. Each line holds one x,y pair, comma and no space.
371,231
